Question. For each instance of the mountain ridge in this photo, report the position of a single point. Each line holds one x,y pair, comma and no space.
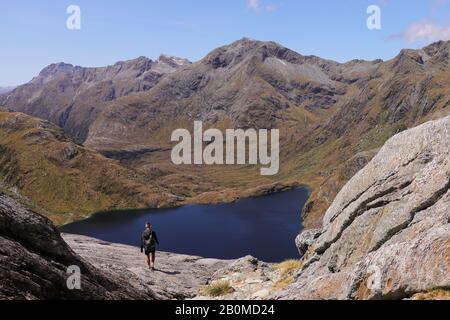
70,96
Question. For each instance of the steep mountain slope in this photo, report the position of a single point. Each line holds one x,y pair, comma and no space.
64,180
406,91
71,96
34,260
323,195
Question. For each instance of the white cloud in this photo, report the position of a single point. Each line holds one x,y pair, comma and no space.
253,4
256,6
426,31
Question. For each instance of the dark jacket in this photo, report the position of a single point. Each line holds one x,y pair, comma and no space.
145,243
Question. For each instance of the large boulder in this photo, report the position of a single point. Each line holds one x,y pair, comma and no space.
387,233
305,239
35,260
247,278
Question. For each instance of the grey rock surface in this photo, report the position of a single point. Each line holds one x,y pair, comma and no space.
248,278
176,276
34,260
305,239
387,233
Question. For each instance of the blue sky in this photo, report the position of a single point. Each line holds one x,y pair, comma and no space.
33,33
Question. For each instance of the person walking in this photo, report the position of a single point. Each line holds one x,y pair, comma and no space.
149,240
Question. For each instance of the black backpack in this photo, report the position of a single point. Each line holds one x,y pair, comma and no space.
149,239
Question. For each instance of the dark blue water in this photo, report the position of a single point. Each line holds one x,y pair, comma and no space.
264,227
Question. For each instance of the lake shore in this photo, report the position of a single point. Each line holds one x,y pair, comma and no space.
264,227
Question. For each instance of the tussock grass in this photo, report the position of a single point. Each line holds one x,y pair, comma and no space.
217,289
287,269
283,283
434,294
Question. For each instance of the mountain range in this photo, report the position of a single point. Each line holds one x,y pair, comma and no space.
333,117
71,96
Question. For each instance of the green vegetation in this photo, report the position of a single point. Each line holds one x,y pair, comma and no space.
65,181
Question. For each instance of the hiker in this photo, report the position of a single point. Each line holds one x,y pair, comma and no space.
148,244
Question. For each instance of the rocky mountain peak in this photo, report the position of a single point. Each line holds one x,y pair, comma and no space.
141,63
56,68
173,61
437,47
245,48
436,53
